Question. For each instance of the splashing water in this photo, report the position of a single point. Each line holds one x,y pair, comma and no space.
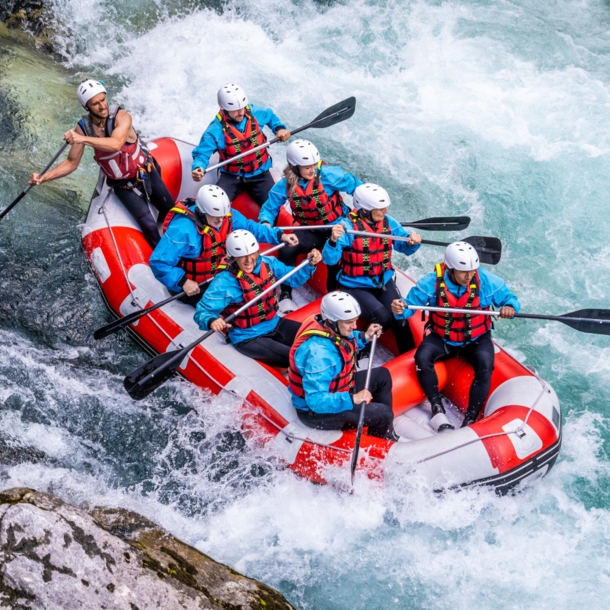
498,110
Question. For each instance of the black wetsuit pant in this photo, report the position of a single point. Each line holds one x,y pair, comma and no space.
479,353
376,308
153,189
257,187
307,241
378,415
272,349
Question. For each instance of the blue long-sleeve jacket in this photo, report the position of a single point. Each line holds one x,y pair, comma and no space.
182,240
332,178
331,255
225,289
319,362
493,291
213,138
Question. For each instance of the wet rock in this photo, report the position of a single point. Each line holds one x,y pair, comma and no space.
56,556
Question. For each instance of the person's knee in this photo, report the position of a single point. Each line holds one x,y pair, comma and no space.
383,377
382,316
484,366
423,358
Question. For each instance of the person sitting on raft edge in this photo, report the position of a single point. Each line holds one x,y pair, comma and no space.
326,390
238,127
193,244
130,170
365,263
257,332
313,190
458,283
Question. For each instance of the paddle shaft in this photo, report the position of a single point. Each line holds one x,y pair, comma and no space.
362,409
429,224
532,316
27,189
275,140
180,354
111,328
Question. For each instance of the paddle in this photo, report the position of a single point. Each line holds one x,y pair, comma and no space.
331,116
489,249
111,328
442,223
594,321
154,373
27,189
362,408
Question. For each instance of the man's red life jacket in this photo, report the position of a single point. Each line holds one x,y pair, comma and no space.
121,165
312,205
213,249
237,142
458,327
345,379
368,256
252,285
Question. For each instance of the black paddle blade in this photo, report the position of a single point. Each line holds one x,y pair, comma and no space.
489,249
599,324
441,223
337,113
136,384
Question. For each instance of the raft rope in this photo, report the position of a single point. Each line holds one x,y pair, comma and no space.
291,437
517,431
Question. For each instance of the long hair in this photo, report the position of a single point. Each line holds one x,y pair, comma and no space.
292,175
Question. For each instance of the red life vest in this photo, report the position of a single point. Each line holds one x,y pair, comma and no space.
344,381
123,164
312,205
368,256
213,249
237,142
457,327
252,285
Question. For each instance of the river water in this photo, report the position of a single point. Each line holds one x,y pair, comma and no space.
494,109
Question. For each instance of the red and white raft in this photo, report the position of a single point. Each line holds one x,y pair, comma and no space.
516,440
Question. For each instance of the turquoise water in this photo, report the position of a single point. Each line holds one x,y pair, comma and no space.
497,110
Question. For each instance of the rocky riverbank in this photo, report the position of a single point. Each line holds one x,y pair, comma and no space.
55,556
31,16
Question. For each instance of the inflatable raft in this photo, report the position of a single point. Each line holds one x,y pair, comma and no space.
515,441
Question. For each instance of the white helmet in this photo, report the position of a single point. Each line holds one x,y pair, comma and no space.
339,306
232,97
461,256
241,243
302,152
89,89
212,200
371,197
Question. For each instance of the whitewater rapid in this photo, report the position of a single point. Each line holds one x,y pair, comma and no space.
497,110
